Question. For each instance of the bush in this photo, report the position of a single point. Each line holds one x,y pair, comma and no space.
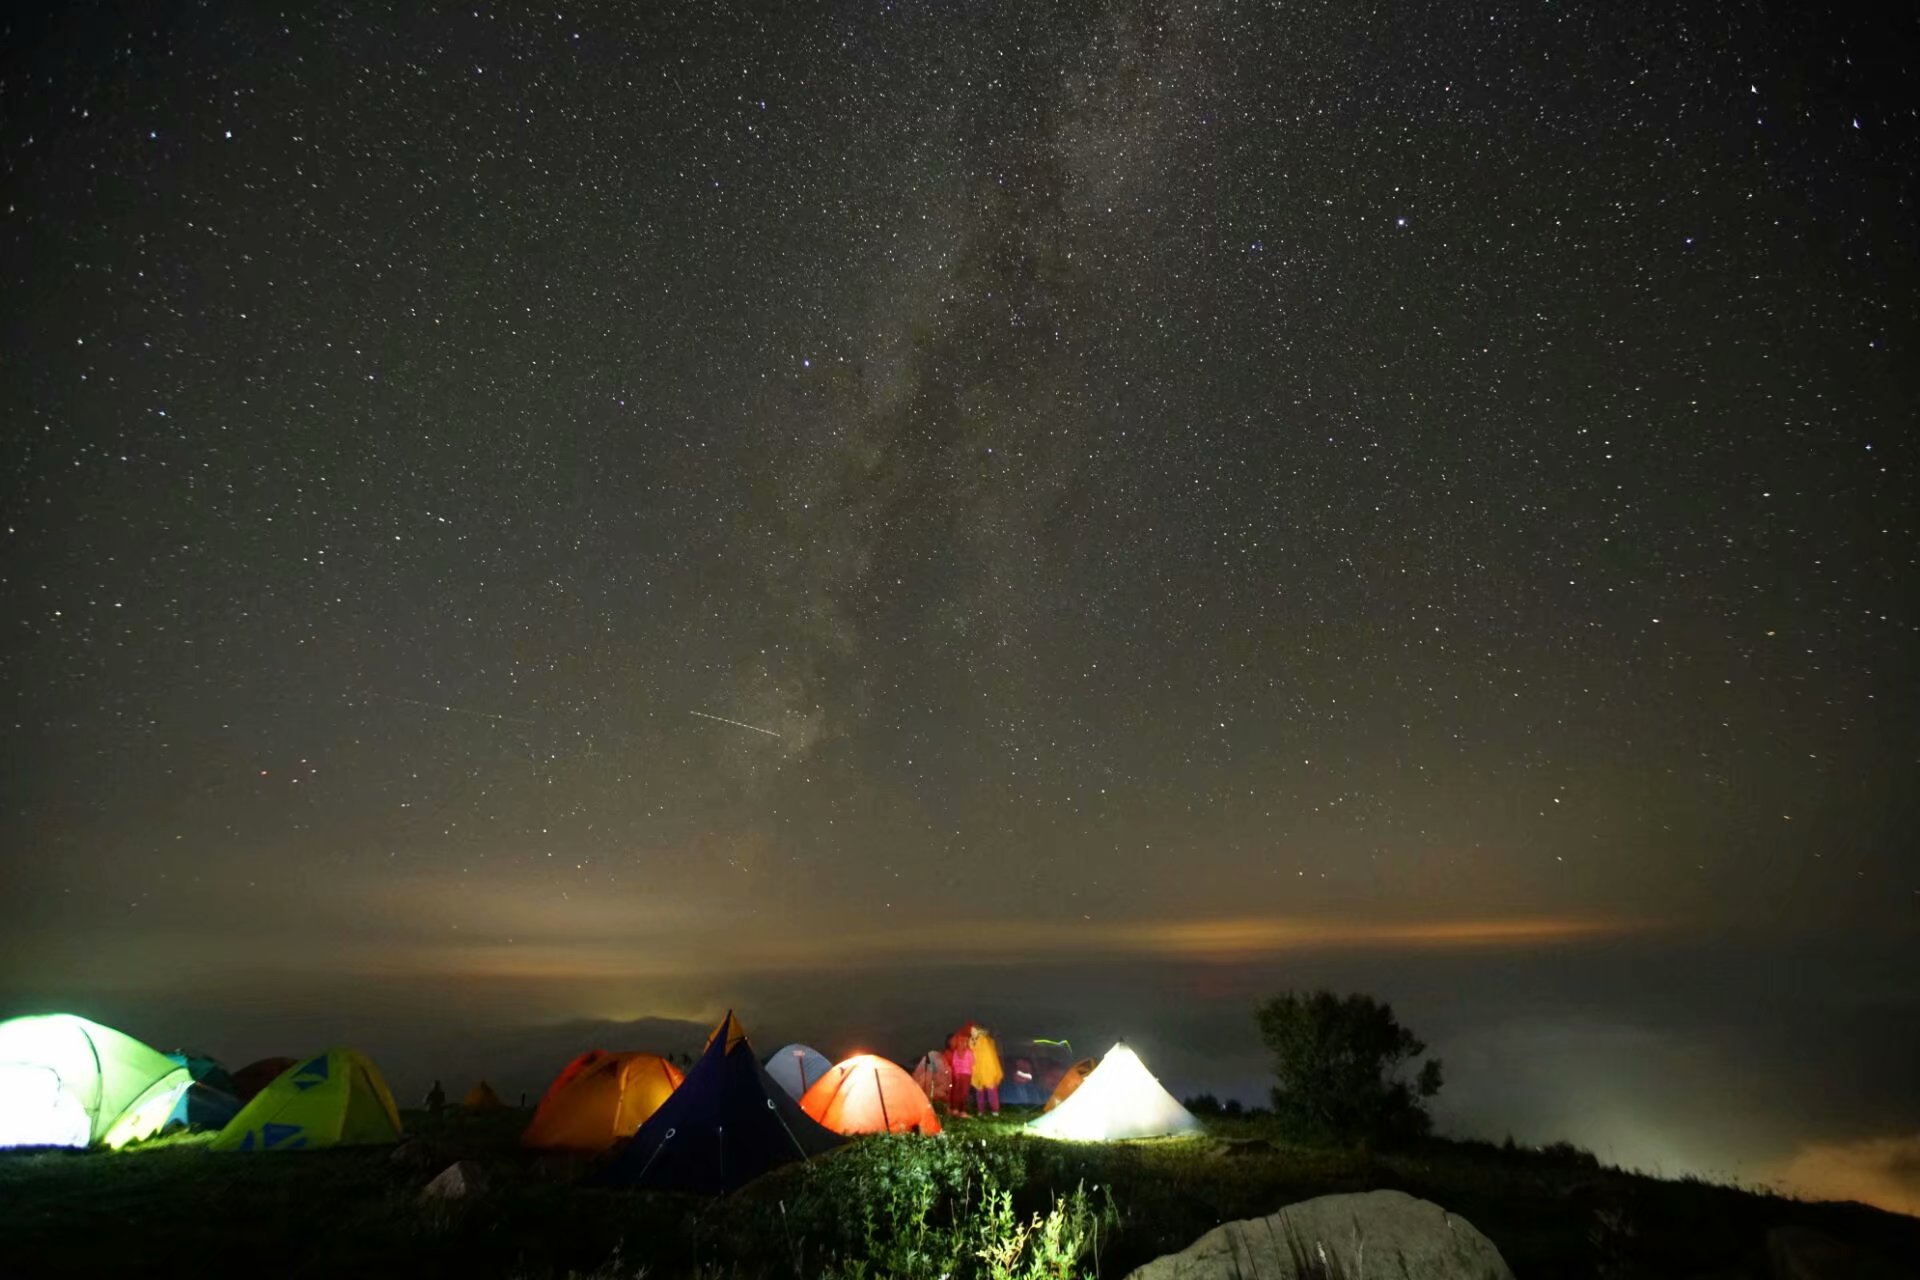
1338,1061
906,1208
1047,1247
1564,1152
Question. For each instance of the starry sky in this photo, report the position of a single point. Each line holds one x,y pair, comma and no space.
1094,512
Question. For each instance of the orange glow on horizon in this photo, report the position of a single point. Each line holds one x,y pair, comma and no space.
1883,1172
1219,940
1255,935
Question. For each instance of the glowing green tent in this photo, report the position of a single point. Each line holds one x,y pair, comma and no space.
335,1100
68,1082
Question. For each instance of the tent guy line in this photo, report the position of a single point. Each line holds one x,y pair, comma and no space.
735,723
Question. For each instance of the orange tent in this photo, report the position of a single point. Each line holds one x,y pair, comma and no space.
1076,1076
867,1094
482,1098
600,1098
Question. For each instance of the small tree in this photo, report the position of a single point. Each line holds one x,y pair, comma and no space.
1338,1060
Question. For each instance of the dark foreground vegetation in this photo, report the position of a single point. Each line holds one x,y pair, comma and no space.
963,1204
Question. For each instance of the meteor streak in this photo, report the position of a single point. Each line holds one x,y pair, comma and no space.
458,711
735,723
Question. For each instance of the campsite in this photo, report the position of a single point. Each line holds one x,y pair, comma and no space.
960,640
844,1170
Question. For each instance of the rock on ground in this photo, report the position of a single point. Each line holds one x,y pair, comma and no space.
458,1180
1378,1235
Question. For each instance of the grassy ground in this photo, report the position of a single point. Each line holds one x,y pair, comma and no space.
892,1206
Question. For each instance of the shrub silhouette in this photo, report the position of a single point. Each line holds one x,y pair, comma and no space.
1338,1061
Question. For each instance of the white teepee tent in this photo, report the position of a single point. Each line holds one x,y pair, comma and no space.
1120,1099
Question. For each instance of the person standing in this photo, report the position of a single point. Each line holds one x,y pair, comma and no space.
987,1073
960,1062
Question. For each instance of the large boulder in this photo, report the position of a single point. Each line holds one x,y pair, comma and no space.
1377,1235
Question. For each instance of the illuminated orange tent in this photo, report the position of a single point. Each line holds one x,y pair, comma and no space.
600,1098
868,1094
1076,1076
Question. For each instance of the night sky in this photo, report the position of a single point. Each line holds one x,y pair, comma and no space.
881,514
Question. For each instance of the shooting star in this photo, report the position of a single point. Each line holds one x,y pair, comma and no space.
458,711
735,723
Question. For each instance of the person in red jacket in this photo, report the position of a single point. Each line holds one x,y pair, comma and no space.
960,1061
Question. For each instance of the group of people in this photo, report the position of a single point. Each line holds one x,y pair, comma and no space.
974,1062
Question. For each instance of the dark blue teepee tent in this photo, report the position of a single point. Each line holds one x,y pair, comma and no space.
726,1124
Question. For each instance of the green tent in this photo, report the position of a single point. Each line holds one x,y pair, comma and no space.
68,1082
335,1100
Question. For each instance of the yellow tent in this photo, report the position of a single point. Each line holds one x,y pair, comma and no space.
335,1100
